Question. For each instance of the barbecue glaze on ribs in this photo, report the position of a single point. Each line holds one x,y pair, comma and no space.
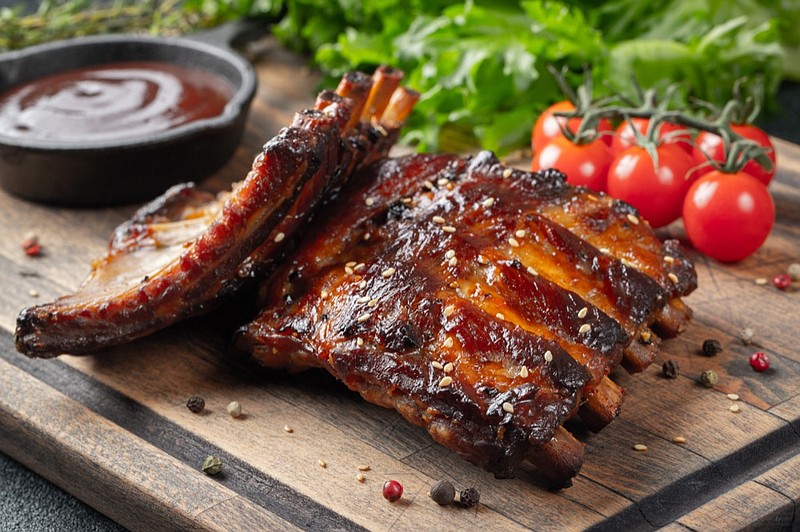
485,304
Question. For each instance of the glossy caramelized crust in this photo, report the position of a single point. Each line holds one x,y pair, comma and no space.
184,252
483,303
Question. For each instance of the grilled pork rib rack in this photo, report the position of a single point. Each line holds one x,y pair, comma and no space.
485,304
184,252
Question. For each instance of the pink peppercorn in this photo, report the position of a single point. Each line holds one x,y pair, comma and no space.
392,490
782,281
759,361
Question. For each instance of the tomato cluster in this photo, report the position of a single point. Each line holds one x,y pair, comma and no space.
726,215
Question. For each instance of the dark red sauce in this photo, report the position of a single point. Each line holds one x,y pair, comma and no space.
112,101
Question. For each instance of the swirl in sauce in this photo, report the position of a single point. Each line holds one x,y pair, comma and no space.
112,101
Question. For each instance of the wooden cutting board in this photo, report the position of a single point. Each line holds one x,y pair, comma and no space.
114,430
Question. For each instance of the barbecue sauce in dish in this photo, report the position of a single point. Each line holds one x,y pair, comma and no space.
111,101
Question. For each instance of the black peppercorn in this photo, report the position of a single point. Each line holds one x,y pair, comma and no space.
470,497
443,492
196,404
670,369
711,347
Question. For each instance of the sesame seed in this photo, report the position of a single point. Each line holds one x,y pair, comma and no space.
287,428
279,237
513,241
428,184
520,233
362,284
678,439
761,281
448,342
735,409
367,236
583,312
350,264
508,407
446,381
407,201
348,270
633,219
454,284
388,272
322,463
453,261
364,317
669,259
626,262
523,372
450,254
673,278
639,447
507,173
361,478
448,310
33,293
437,365
359,341
449,229
500,316
488,202
363,467
360,266
733,396
605,251
362,299
372,302
438,220
585,328
369,202
442,181
323,294
448,367
482,260
592,197
548,356
531,270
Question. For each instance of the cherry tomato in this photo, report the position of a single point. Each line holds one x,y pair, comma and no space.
583,164
547,126
728,216
711,145
657,192
668,132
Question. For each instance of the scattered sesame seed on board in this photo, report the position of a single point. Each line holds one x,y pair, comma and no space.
678,439
733,396
735,409
639,447
583,312
363,467
288,429
361,478
33,293
322,463
761,281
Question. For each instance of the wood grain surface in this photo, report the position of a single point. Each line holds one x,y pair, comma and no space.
113,429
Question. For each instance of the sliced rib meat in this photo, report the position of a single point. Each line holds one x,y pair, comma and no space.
184,252
483,303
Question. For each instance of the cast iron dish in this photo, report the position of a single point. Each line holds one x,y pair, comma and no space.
96,173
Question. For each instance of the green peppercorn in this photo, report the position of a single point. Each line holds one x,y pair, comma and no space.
443,492
709,378
212,465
